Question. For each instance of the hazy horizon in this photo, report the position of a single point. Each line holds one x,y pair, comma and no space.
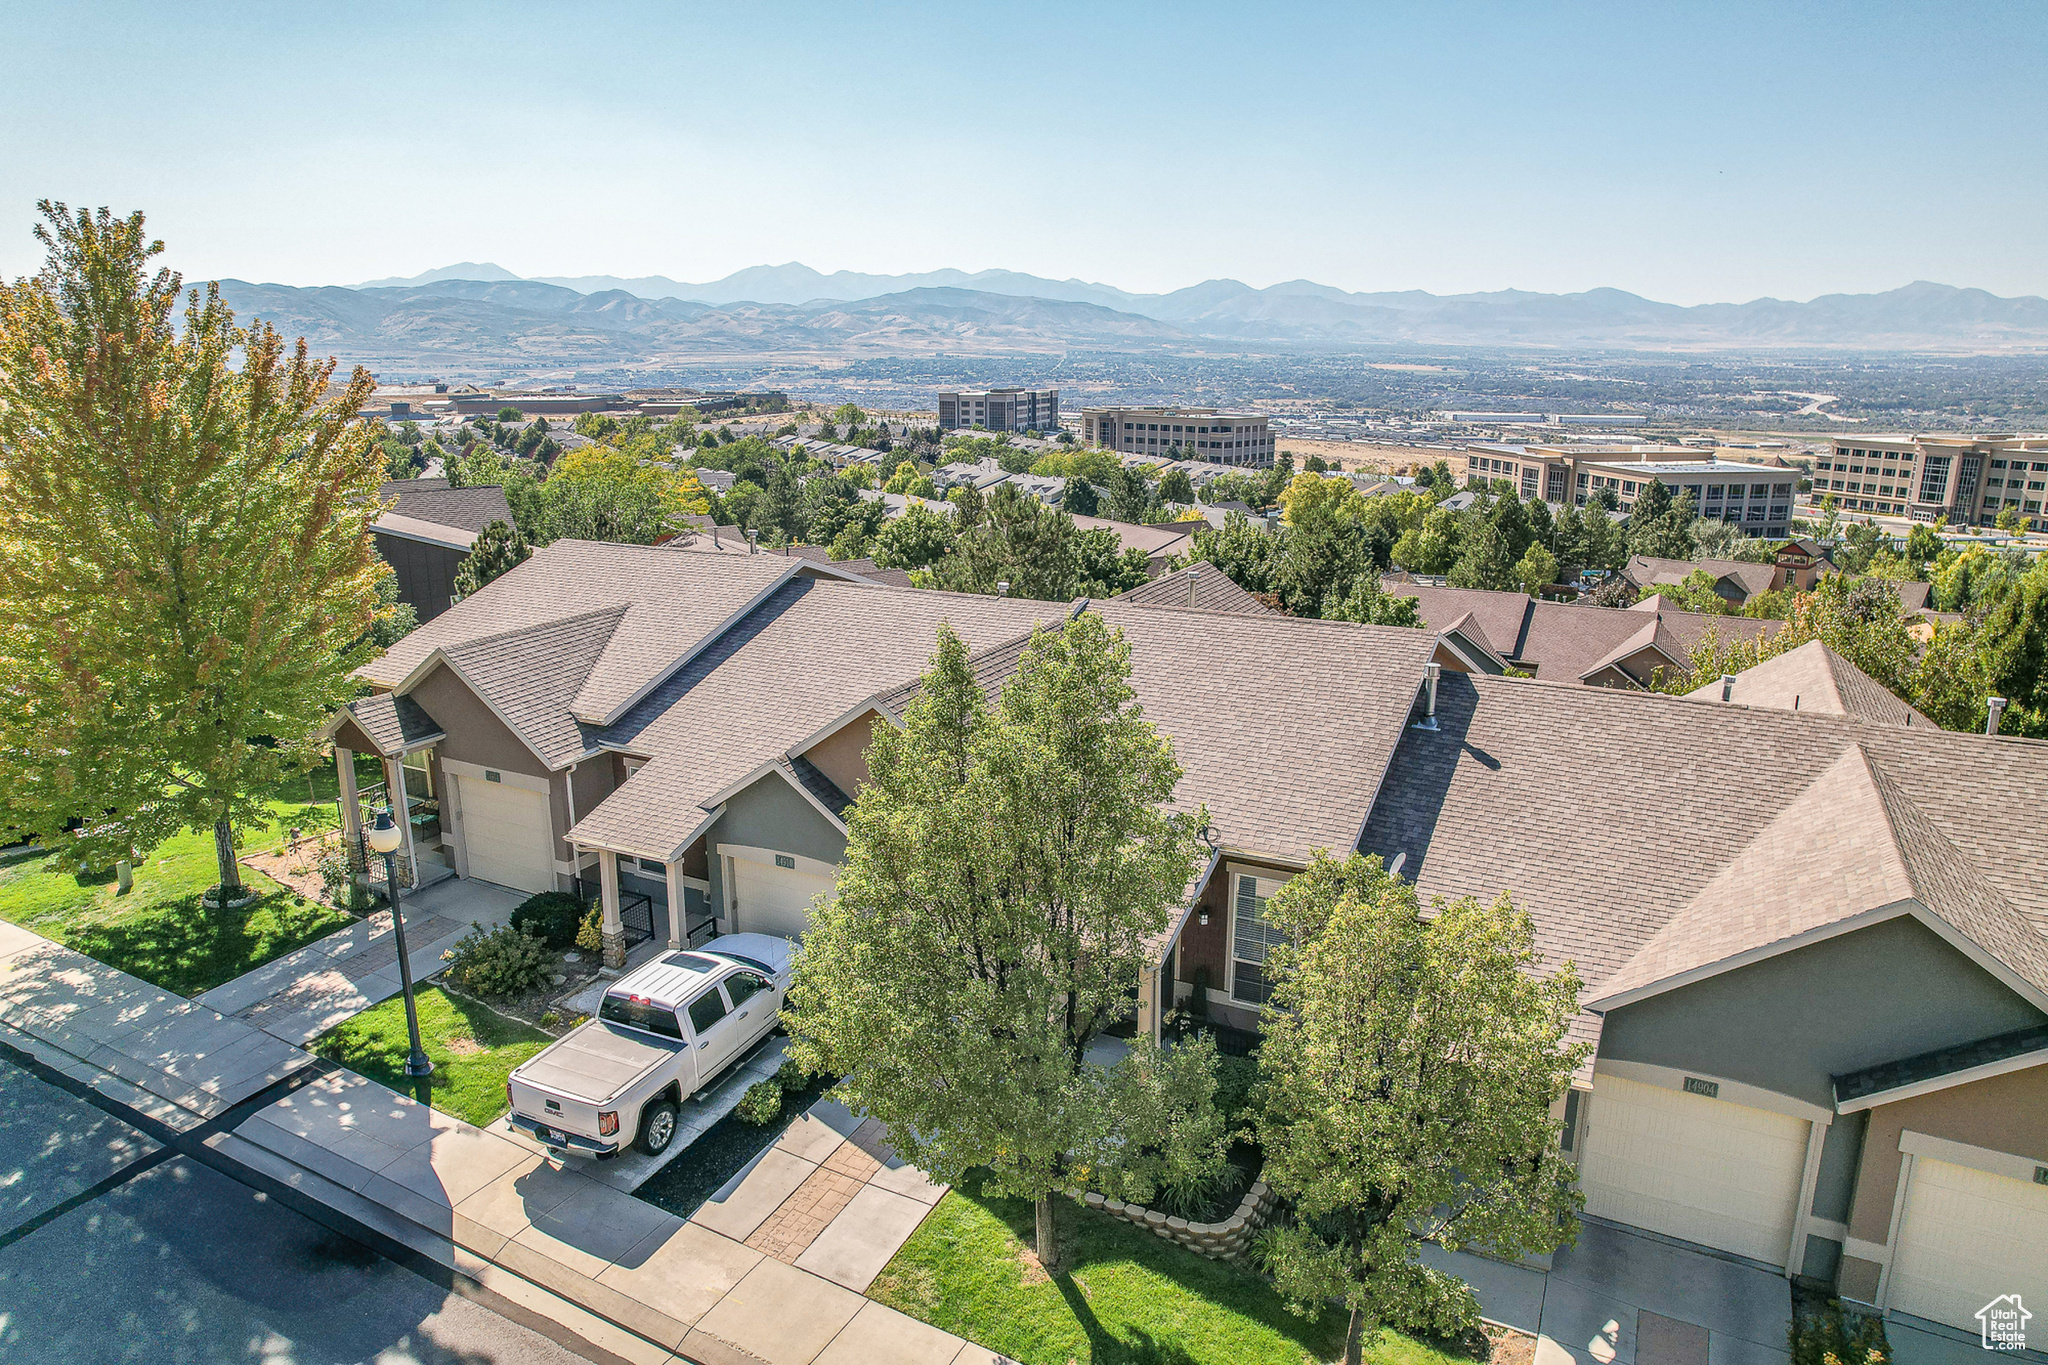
1720,153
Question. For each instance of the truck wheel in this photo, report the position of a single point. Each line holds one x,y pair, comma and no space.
657,1128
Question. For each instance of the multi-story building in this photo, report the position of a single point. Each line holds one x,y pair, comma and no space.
1215,435
1757,497
1001,409
1968,479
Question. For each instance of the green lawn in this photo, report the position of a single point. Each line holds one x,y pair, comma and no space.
472,1046
160,931
1126,1297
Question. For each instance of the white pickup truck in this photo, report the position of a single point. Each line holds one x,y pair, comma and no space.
662,1032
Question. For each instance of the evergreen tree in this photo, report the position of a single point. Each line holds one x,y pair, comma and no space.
498,550
1174,486
1485,561
1079,498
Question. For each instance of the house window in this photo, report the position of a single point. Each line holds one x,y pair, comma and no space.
1250,936
419,775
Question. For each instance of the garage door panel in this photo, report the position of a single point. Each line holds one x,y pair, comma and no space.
507,836
1707,1171
775,900
1967,1236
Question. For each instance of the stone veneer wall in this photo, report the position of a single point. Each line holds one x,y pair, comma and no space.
1226,1240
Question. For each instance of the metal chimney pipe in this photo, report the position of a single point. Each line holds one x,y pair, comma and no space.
753,542
1727,687
1003,588
1194,577
1994,707
1431,671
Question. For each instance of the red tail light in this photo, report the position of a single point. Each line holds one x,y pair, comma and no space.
607,1122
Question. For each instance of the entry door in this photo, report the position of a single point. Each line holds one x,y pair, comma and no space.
1702,1170
1968,1236
775,900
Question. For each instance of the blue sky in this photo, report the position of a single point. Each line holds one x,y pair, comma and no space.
1686,152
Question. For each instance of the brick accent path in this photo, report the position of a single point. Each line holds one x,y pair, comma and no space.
789,1231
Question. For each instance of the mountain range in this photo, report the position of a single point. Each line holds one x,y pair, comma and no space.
482,313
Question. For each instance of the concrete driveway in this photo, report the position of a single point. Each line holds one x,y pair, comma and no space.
1621,1298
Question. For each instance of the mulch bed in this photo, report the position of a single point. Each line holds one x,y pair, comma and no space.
296,865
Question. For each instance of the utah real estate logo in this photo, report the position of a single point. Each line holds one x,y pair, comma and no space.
2004,1323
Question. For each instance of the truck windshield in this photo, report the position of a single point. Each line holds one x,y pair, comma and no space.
638,1012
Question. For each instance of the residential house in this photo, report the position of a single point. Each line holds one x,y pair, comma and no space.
1203,587
428,531
1817,1003
1735,580
1563,642
1161,545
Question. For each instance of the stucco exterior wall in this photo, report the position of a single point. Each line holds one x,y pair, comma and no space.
475,734
843,756
2006,1113
1789,1023
594,779
772,814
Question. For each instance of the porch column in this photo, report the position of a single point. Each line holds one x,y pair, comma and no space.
610,927
677,929
1148,1002
351,804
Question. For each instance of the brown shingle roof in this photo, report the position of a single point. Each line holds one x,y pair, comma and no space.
673,600
1607,813
1749,579
394,723
808,654
1813,677
531,677
1206,589
1563,642
466,509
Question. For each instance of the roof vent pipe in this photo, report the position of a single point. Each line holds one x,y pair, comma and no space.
1431,671
1003,588
753,541
1994,707
1727,687
1194,577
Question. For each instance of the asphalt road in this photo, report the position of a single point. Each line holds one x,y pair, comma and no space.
116,1247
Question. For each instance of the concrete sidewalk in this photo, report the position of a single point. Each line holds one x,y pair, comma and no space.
691,1290
175,1060
303,994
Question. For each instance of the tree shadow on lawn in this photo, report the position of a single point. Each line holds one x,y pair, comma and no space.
188,947
1091,1240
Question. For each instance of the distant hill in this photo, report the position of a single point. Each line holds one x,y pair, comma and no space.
483,310
531,322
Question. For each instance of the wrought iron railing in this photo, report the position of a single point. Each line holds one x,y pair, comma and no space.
636,910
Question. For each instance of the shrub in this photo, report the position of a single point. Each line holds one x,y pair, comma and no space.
554,915
1829,1335
498,962
761,1104
791,1076
1235,1079
590,934
1199,1196
338,884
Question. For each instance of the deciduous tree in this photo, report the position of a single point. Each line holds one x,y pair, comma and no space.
1410,1064
186,572
1008,868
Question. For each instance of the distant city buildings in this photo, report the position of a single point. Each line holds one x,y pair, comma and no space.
1755,496
1213,434
1968,479
1000,409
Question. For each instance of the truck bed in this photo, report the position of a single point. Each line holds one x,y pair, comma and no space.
596,1062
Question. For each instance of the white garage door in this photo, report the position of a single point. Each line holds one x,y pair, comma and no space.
1703,1170
775,900
1968,1236
506,835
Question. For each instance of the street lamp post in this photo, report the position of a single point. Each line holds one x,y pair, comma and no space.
384,836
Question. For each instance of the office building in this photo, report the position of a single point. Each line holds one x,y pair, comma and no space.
1756,497
1001,410
1214,435
1968,479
